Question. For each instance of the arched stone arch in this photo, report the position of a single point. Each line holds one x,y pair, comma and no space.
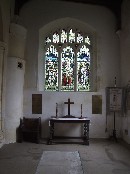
56,25
63,22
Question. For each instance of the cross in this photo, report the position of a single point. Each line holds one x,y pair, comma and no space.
68,105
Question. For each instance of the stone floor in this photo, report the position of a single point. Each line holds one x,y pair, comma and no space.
100,157
60,162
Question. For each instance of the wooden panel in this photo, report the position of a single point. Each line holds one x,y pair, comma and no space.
96,104
36,103
114,99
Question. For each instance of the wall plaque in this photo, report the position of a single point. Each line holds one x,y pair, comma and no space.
96,104
36,103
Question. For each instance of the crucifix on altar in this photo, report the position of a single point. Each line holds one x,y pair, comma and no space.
69,103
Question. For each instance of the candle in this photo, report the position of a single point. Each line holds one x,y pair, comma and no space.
115,81
56,109
81,110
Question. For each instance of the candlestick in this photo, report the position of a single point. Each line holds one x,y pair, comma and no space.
81,110
115,81
56,110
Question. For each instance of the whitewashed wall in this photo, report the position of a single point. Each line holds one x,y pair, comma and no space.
14,98
97,127
15,81
37,14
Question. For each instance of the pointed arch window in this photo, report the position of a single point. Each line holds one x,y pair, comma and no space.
68,61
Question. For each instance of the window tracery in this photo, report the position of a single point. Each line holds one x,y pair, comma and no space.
68,61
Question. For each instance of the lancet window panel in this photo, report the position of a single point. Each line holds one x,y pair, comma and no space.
67,69
67,61
83,68
51,68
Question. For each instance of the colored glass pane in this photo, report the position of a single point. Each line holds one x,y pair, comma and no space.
51,69
71,36
56,37
47,40
83,69
79,38
63,36
87,40
67,69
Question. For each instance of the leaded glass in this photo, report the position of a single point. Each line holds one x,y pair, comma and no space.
56,37
51,69
79,38
47,40
74,65
71,36
63,36
83,69
87,40
67,69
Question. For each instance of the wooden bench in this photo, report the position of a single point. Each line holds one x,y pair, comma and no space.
30,129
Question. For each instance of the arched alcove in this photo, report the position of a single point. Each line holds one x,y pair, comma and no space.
55,26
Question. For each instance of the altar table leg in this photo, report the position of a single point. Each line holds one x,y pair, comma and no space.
86,134
51,133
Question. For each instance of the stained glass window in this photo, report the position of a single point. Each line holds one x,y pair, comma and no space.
48,40
67,69
68,61
56,37
63,36
79,37
83,68
71,36
51,69
87,40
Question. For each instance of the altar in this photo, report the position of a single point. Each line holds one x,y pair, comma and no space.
83,121
69,119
